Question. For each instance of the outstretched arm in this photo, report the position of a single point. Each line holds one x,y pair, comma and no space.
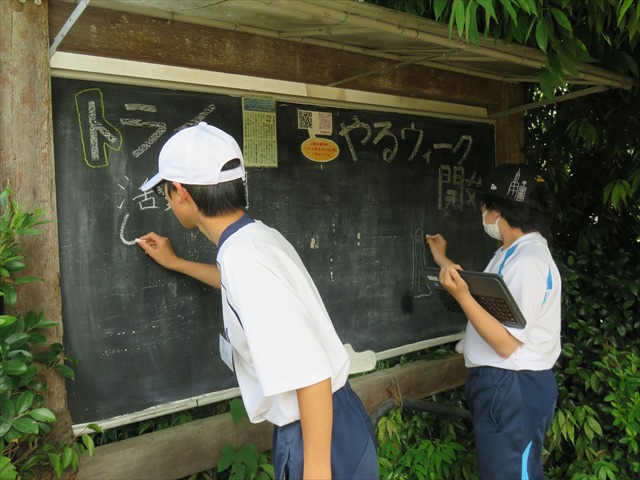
159,248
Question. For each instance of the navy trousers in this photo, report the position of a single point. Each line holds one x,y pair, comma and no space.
512,412
353,443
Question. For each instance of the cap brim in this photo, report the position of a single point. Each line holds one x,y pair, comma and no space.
152,182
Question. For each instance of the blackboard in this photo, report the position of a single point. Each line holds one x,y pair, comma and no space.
145,336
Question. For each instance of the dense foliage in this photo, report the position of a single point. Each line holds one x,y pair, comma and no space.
591,151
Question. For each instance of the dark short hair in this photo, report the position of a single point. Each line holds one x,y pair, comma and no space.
214,200
535,215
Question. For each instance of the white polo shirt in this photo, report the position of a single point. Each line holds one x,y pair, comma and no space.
532,276
281,333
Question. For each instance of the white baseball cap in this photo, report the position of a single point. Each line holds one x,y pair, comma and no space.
195,156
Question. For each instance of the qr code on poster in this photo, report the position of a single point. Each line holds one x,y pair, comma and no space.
305,119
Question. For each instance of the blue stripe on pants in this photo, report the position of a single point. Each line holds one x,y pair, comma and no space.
512,411
353,443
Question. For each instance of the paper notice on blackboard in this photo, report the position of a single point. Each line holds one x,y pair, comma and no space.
260,147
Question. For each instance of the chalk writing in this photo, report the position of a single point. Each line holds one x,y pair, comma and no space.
387,154
143,201
198,118
95,129
345,132
463,145
159,127
416,148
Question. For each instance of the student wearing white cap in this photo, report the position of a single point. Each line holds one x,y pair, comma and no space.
291,366
511,390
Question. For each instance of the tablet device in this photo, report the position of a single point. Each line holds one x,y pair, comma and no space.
488,289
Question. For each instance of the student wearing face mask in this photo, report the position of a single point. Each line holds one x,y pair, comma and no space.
511,390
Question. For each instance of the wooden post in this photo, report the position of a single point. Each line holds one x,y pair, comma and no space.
510,129
26,164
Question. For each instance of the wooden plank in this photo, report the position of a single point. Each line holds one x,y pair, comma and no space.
181,451
135,37
26,159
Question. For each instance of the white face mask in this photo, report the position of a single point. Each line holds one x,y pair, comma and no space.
491,229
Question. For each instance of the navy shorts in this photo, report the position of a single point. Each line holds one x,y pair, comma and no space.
353,443
512,412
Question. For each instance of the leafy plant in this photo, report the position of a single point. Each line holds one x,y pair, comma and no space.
567,32
14,222
423,446
25,359
245,463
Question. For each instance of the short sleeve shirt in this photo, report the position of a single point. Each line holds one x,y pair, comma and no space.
282,336
534,281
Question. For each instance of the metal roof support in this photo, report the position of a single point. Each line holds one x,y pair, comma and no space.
541,103
67,25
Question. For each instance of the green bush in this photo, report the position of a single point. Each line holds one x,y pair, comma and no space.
25,359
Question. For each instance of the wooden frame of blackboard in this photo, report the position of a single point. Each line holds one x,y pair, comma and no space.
87,67
157,76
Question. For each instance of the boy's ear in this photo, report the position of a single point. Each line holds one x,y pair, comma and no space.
182,192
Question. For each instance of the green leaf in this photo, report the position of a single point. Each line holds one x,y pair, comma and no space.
95,427
622,10
438,7
489,10
7,469
27,279
9,294
15,266
546,83
25,425
238,412
567,62
562,19
248,455
88,443
67,456
14,367
542,33
6,320
472,23
5,425
37,337
17,340
510,10
65,371
46,324
43,415
54,460
227,457
33,461
25,401
458,14
6,384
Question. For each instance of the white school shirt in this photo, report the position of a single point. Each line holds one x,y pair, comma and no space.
532,276
278,326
